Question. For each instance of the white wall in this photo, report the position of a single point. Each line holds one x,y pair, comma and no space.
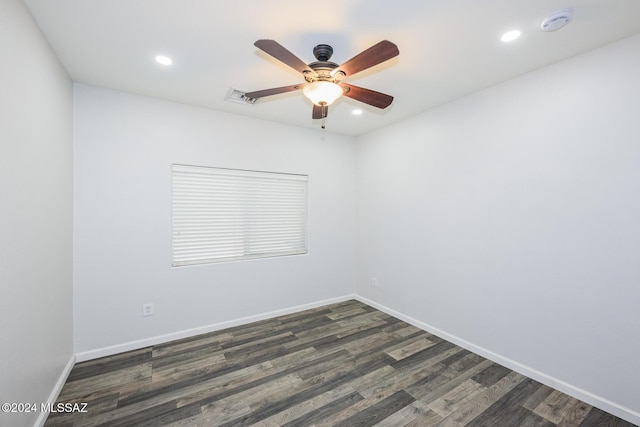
36,215
124,146
510,219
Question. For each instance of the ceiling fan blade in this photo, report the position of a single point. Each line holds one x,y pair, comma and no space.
368,96
273,91
279,52
320,111
375,55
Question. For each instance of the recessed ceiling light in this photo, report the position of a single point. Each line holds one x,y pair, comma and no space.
164,60
510,36
356,112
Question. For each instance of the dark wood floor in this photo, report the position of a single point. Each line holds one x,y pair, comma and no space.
341,365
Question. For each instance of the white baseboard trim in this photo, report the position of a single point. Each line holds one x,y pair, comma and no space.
590,398
134,345
57,388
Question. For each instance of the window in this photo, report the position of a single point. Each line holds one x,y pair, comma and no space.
226,214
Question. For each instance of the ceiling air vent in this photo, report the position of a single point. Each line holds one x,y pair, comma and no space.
235,95
557,20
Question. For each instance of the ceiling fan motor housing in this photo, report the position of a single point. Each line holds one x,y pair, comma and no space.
323,52
322,67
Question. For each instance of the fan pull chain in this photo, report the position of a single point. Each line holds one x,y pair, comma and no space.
325,111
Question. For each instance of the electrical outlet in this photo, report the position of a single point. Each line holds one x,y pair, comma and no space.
147,309
374,282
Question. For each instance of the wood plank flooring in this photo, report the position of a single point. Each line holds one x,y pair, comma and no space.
346,364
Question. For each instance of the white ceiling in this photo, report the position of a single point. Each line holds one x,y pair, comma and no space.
448,48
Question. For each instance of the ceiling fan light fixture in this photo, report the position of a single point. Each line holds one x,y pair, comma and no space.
322,92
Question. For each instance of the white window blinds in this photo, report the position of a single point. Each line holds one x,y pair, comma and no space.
226,214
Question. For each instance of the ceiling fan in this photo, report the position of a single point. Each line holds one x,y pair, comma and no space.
323,78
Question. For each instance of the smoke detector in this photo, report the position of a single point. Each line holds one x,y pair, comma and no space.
557,20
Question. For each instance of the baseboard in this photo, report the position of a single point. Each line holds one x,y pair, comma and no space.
134,345
42,418
590,398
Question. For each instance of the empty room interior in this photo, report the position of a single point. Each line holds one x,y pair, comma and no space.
190,238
